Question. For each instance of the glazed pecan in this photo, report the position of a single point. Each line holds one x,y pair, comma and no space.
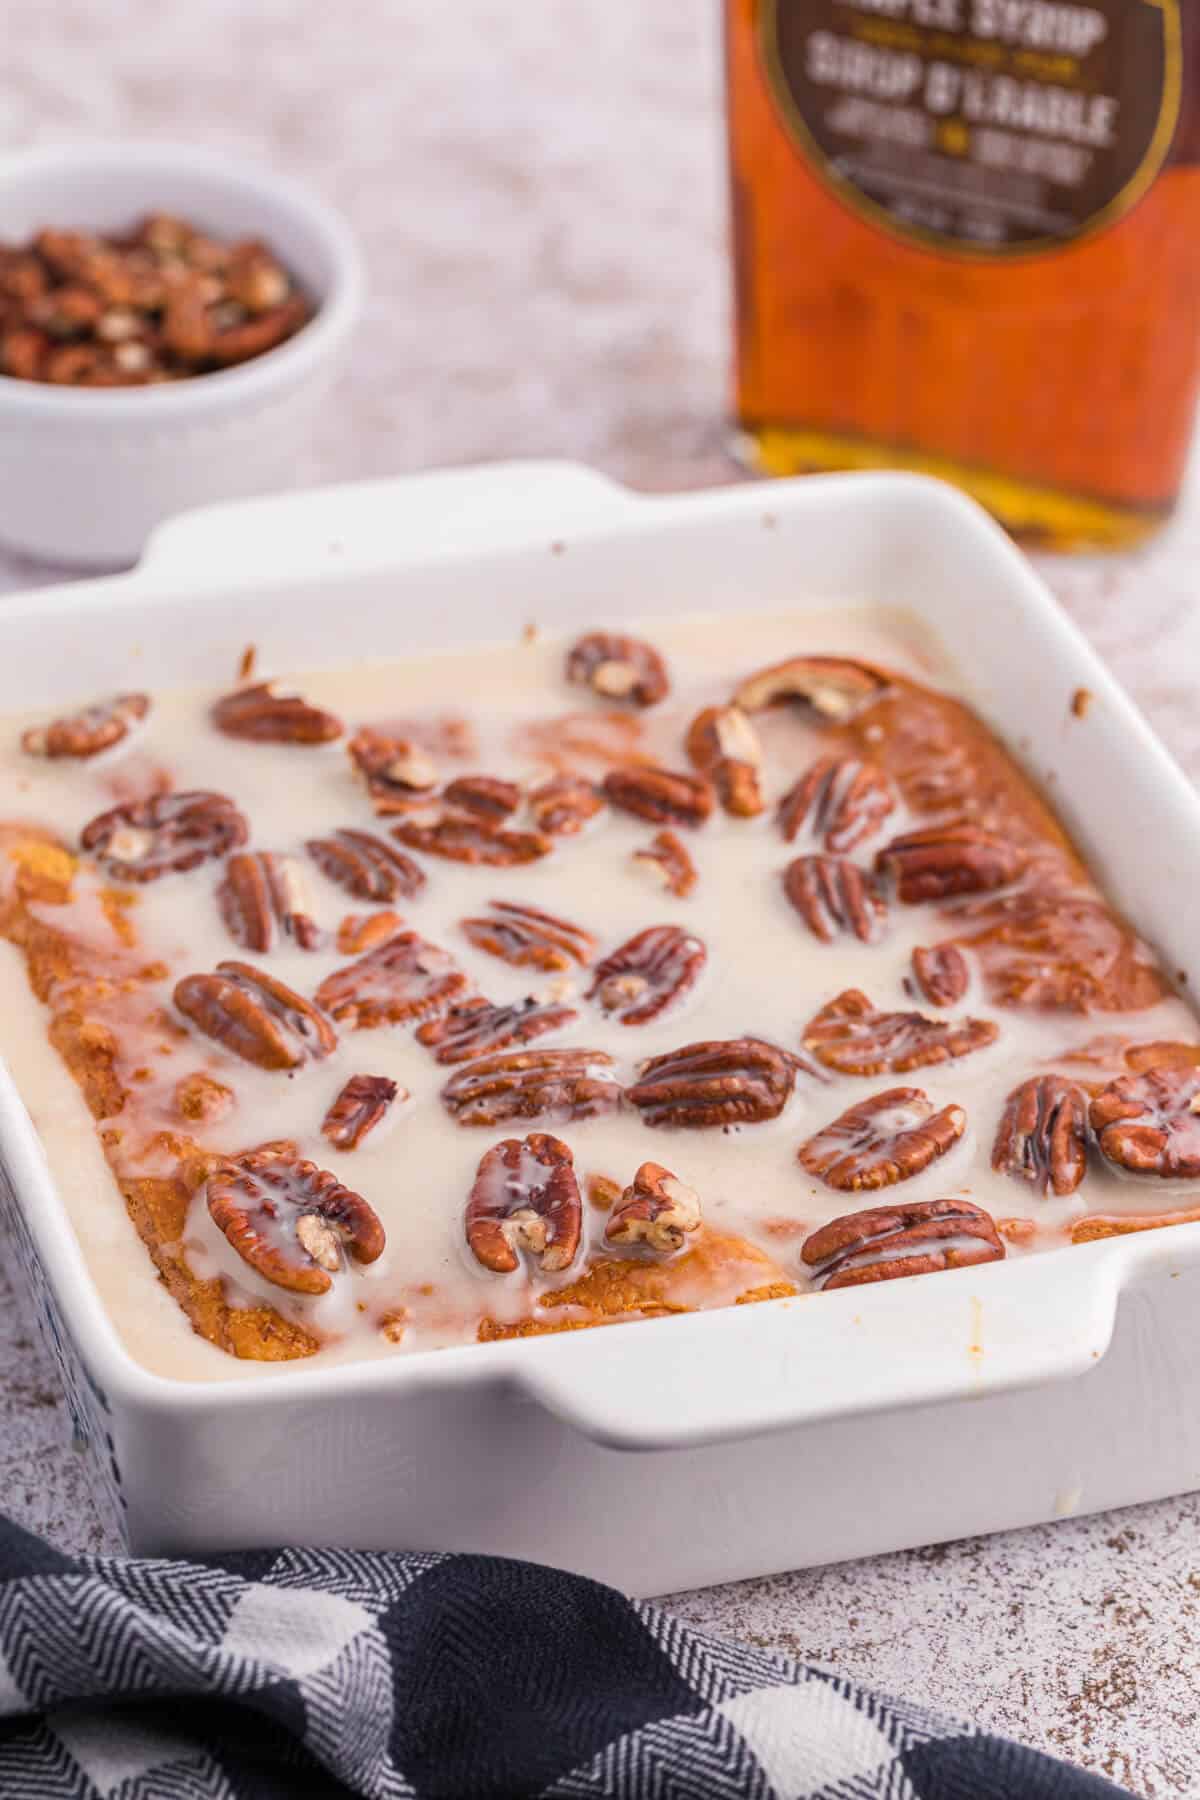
1042,1136
404,978
722,744
885,1243
1149,1124
618,668
649,973
360,932
660,795
528,938
564,804
89,731
262,893
366,866
397,770
265,717
940,974
292,1222
833,896
833,686
736,1081
533,1084
939,861
667,855
850,1036
485,796
468,840
888,1138
255,1016
1051,949
525,1197
358,1108
474,1027
656,1211
164,834
840,802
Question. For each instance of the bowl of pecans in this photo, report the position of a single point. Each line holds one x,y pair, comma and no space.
170,322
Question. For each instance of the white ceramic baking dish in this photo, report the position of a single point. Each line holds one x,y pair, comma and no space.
718,1445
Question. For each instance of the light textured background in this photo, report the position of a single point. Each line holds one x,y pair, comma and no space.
540,194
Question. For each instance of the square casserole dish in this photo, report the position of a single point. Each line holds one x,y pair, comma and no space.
715,1445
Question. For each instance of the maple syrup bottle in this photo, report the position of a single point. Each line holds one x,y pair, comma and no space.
967,241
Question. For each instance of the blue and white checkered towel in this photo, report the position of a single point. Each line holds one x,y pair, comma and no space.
271,1674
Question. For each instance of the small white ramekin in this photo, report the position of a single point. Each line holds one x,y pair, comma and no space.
85,474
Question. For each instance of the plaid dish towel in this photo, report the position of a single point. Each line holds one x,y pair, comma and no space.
266,1675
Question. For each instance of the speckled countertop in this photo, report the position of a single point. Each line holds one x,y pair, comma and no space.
542,213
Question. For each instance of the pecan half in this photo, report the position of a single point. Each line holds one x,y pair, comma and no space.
722,744
649,973
939,861
358,1108
619,668
486,796
366,866
940,974
886,1243
833,896
841,801
255,1016
735,1081
396,770
533,1084
261,715
564,804
360,932
404,978
525,1197
832,685
471,841
1042,1136
475,1027
1047,949
1149,1124
528,938
888,1138
263,893
656,1211
164,834
291,1221
668,856
660,795
850,1036
89,731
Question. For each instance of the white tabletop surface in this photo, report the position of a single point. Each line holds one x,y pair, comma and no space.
542,211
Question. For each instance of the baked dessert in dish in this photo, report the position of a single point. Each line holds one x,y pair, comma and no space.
558,984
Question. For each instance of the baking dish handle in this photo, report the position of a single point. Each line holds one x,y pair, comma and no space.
707,1377
363,524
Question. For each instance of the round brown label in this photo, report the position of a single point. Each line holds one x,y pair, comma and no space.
983,125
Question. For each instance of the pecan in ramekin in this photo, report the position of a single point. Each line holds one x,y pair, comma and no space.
89,731
291,1221
1042,1136
164,834
618,668
850,1036
840,802
883,1140
834,896
525,1197
885,1243
656,1211
647,974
